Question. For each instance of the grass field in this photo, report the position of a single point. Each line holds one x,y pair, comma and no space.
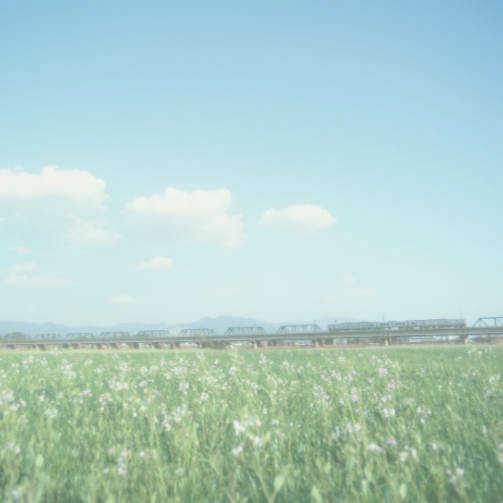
404,424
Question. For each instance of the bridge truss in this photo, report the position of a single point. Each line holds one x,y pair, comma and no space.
489,321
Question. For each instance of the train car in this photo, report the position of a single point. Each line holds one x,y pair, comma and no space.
358,325
190,332
153,334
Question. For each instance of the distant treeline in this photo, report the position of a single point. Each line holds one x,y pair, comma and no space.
20,336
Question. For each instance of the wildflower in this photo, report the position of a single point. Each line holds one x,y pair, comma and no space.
374,447
494,379
388,412
16,493
382,371
237,450
403,456
238,427
51,413
391,441
455,477
353,428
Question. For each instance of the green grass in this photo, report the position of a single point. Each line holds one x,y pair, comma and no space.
404,424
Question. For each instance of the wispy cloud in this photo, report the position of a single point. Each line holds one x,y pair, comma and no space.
90,232
156,264
305,217
26,275
122,299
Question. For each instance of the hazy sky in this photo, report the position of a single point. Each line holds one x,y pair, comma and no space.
162,161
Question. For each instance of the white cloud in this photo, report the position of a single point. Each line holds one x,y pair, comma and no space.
21,250
76,185
25,275
307,217
205,212
90,232
156,263
122,299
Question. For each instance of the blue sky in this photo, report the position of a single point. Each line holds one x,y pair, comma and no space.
286,161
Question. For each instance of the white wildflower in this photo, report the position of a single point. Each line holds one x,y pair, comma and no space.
237,450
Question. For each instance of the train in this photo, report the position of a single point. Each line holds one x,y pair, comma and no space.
441,323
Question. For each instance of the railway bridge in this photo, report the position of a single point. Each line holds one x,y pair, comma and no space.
257,338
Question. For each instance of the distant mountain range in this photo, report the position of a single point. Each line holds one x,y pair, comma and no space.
218,324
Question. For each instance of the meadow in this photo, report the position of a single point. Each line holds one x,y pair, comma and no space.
371,424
